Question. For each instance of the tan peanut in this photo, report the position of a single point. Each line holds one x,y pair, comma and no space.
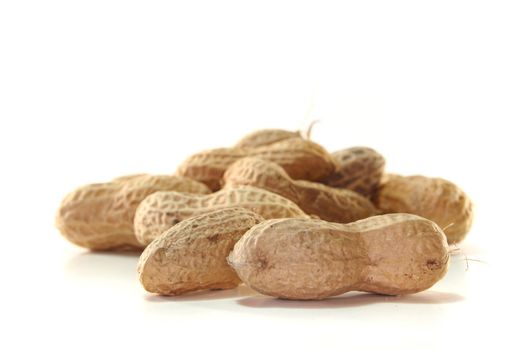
299,258
266,137
100,216
191,255
161,210
358,169
126,178
327,203
301,159
436,199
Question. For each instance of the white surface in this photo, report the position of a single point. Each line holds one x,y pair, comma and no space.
93,90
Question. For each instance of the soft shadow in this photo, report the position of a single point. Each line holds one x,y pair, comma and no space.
352,299
240,291
112,266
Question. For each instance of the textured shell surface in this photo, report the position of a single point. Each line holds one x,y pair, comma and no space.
301,159
436,199
161,210
100,216
209,166
265,137
327,203
358,169
297,258
191,255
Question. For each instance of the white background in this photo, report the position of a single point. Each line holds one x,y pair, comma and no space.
90,90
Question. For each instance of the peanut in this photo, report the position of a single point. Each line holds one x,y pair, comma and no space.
126,178
331,204
161,210
265,137
301,258
301,159
191,255
100,216
436,199
359,169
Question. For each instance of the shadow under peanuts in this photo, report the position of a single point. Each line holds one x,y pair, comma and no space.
350,300
203,295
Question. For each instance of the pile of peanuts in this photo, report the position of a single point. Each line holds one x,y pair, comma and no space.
279,213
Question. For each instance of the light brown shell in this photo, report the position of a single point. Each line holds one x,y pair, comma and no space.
299,258
100,216
436,199
301,159
161,210
359,169
266,137
191,255
327,203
